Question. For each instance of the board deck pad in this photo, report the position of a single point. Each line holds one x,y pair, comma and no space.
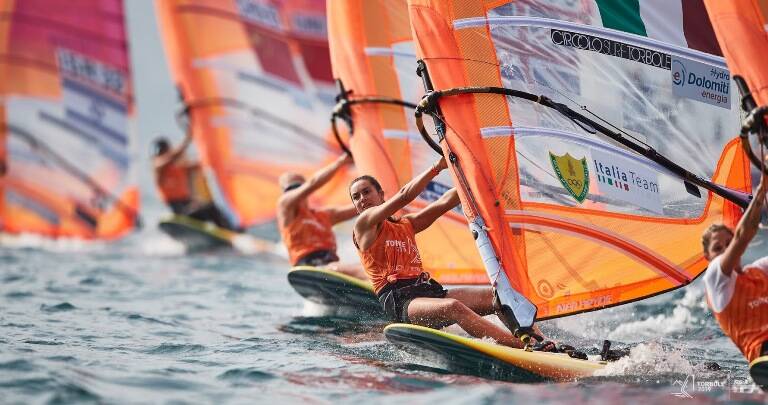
471,356
195,234
333,289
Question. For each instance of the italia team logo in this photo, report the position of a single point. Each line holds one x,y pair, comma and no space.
573,174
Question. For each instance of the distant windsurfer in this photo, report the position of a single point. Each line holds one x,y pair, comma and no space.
738,295
182,185
390,257
307,231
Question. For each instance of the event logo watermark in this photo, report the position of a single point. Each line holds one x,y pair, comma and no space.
690,386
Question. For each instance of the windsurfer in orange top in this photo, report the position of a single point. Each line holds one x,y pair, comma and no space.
307,231
390,257
182,185
738,295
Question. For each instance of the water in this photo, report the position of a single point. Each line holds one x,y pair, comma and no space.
138,321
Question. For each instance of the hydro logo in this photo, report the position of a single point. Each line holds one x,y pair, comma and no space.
678,73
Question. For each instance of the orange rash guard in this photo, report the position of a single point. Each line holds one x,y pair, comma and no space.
393,255
745,318
173,182
310,231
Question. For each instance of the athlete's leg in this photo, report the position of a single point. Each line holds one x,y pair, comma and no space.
350,269
432,311
478,299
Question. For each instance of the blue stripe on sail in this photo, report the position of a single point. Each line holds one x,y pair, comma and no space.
434,191
33,205
84,90
384,51
299,97
120,158
97,126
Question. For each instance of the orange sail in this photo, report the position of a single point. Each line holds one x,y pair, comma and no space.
66,112
594,143
740,27
256,78
372,55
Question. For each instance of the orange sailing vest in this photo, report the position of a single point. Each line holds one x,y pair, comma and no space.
745,318
393,255
173,182
310,231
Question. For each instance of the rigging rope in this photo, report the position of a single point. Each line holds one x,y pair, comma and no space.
343,111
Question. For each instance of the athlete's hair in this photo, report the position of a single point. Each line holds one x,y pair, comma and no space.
289,181
369,179
161,145
706,237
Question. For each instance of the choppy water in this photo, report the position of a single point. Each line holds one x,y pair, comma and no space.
137,322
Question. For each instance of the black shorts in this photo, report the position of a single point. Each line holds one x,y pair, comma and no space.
396,297
317,258
758,368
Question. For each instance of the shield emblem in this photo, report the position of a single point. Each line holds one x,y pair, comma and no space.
573,174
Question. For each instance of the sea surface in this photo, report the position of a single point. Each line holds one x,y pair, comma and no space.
140,321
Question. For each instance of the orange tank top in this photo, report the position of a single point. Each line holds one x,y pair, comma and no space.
310,231
745,318
393,255
173,182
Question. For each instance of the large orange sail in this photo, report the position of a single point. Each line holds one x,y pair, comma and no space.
256,78
594,144
66,117
372,54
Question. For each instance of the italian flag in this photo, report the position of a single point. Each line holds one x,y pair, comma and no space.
678,22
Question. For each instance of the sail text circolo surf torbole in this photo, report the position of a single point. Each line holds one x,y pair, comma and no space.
372,54
579,220
66,114
256,79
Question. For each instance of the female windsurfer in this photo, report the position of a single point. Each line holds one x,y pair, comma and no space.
182,184
738,295
307,231
390,257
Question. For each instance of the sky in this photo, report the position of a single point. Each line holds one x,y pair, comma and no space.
156,99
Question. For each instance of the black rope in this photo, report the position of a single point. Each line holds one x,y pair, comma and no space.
428,105
754,123
343,110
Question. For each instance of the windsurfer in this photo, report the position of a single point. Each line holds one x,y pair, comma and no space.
307,231
738,295
390,257
182,185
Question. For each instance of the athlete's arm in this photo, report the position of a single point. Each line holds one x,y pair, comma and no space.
319,179
423,219
409,192
173,155
341,214
745,231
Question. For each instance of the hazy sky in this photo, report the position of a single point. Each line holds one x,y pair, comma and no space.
156,99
